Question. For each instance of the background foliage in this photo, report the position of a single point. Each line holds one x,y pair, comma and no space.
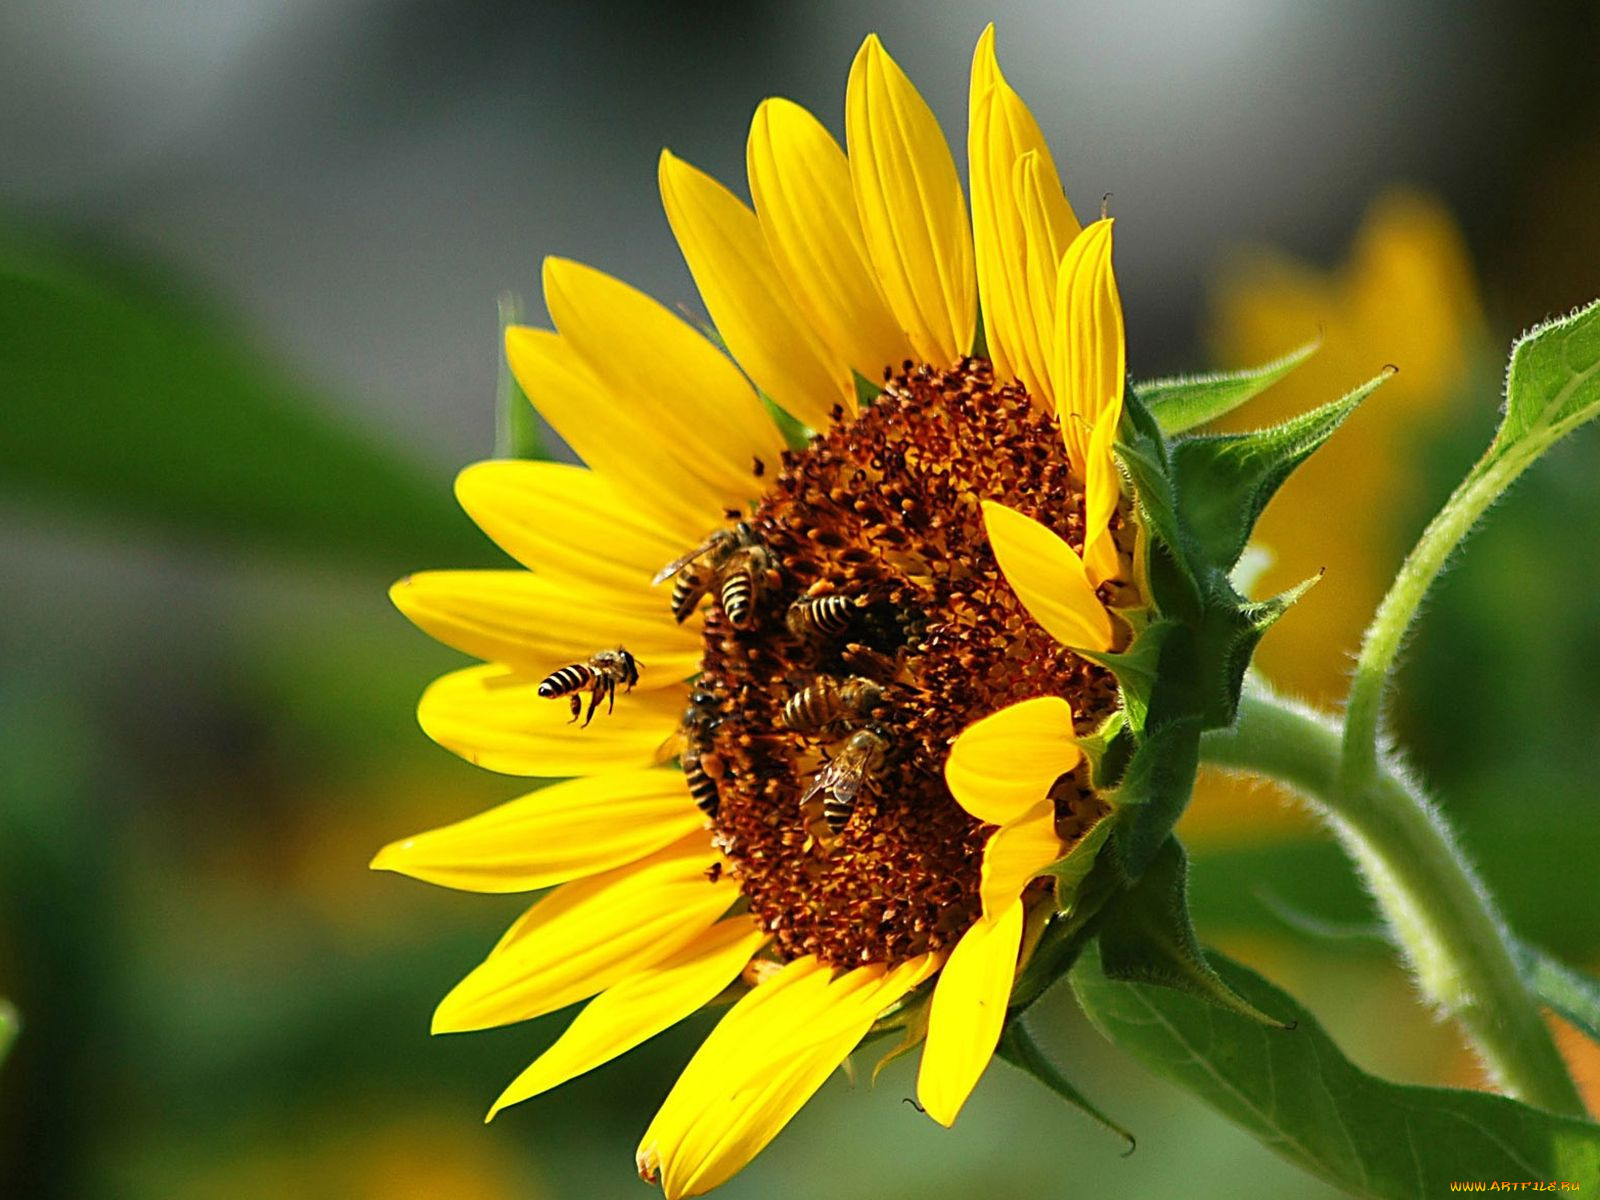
247,330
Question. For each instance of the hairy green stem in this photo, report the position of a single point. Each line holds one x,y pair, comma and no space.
1381,645
1440,914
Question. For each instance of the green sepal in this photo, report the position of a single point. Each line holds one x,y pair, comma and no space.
1018,1048
796,435
1148,937
1106,749
1184,402
1223,481
1142,450
867,392
1573,994
1154,792
1069,873
1135,668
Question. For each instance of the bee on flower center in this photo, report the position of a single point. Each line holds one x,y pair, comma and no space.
827,616
827,701
732,561
600,676
840,782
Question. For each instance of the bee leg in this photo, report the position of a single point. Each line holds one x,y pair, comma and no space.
594,703
575,702
611,698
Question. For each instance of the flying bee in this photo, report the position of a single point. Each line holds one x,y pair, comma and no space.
701,771
826,616
731,560
605,671
839,783
827,701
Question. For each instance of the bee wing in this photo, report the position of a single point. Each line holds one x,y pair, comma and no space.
847,780
821,782
676,565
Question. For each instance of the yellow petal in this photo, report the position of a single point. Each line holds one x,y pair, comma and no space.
713,1072
1045,235
1048,577
746,1083
537,625
563,832
968,1013
693,400
611,432
800,183
635,1010
1016,853
1001,130
1003,765
1102,487
493,717
1090,363
722,242
912,211
585,936
569,523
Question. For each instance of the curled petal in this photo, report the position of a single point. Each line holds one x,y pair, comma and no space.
968,1013
1004,764
1049,578
1090,364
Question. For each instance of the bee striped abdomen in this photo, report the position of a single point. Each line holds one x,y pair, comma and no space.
567,680
687,589
837,813
826,615
702,787
738,595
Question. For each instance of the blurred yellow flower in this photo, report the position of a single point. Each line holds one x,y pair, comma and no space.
1406,293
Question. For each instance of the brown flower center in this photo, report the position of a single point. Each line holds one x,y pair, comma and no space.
826,722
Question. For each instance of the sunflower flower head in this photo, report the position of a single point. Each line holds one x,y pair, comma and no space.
885,719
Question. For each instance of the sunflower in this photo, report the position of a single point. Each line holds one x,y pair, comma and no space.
840,770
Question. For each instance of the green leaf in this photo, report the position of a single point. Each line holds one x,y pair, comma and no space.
1224,481
1147,937
1573,994
1189,400
518,432
1553,384
1300,1096
1019,1049
10,1026
125,400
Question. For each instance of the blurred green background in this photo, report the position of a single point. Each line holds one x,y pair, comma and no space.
249,259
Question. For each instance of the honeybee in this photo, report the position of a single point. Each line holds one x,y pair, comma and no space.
839,783
701,771
605,671
826,616
826,701
732,560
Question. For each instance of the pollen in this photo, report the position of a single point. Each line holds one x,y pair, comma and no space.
834,816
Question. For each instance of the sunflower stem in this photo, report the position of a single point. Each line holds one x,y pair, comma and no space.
1384,637
1438,912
